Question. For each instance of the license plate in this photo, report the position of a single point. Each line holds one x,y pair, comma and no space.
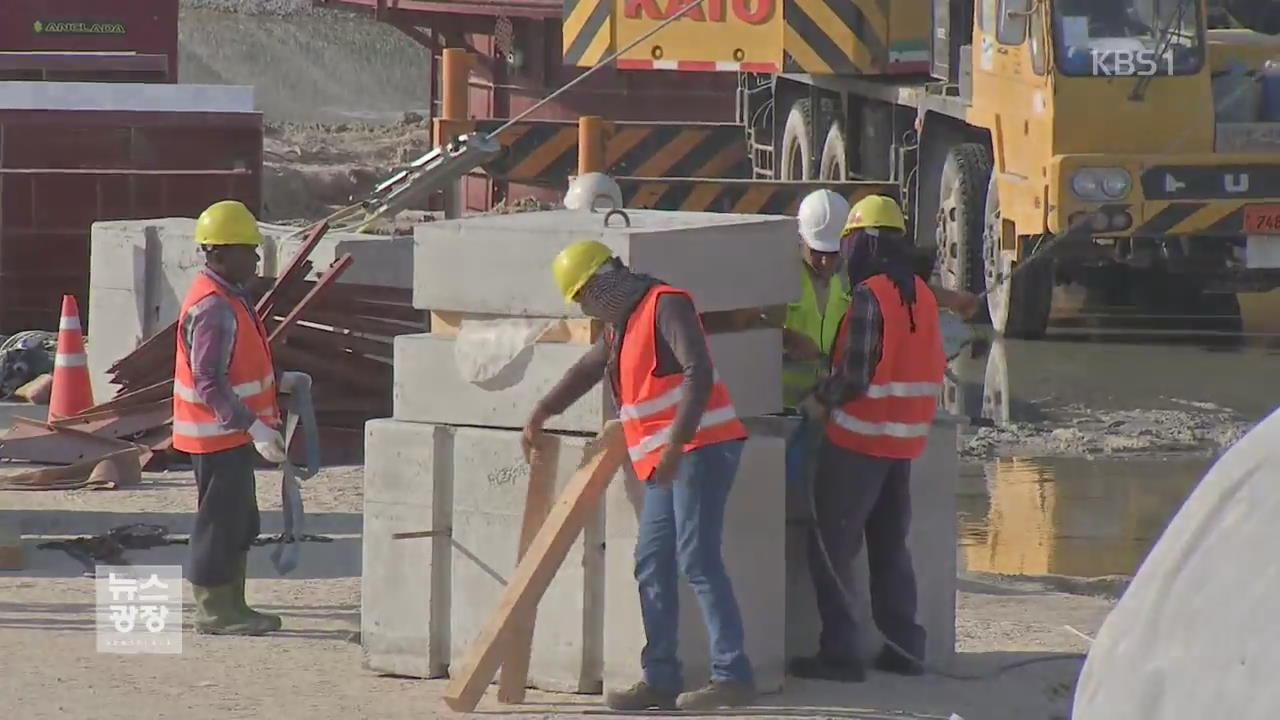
1262,219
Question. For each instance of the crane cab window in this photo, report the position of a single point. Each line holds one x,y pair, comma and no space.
1012,29
1128,37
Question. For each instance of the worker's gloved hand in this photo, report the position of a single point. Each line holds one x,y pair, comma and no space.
291,380
268,442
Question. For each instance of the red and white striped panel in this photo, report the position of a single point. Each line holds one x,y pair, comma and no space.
698,65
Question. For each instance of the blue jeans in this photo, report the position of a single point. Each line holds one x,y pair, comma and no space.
680,527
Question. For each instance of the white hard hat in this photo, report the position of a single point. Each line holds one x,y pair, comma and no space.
593,190
822,215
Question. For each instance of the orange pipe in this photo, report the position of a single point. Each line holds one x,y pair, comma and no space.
455,70
590,144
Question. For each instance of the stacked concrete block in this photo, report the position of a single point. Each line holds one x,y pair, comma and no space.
139,272
490,483
933,553
742,358
498,267
404,603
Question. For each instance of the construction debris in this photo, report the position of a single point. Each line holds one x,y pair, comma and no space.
340,334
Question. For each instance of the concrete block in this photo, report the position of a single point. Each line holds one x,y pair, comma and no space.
429,387
404,595
726,261
489,498
754,554
934,477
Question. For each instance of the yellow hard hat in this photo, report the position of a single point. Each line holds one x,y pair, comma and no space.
875,211
227,222
576,263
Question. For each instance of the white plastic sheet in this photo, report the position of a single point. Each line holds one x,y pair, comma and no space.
484,348
1196,635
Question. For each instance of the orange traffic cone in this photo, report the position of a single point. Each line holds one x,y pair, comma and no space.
72,393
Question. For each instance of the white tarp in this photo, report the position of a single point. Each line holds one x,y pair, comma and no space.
1196,635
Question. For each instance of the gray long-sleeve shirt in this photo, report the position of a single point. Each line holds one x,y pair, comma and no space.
681,348
209,334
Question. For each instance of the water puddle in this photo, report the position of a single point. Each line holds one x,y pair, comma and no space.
1069,516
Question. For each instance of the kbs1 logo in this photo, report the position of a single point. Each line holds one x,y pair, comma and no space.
1128,63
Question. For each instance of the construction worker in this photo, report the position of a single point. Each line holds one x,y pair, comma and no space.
685,441
224,406
878,406
810,325
593,191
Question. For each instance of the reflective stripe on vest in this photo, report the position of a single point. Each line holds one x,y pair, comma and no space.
648,403
252,376
894,416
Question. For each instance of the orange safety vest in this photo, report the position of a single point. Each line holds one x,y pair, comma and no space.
252,377
893,417
648,402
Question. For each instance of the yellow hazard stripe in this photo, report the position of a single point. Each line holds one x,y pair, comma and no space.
806,58
838,31
1204,218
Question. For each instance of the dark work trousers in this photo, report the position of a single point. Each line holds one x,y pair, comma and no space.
856,494
226,514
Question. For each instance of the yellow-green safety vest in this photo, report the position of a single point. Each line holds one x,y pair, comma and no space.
800,376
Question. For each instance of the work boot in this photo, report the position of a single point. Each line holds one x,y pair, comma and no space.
891,661
217,612
820,668
641,697
266,620
717,694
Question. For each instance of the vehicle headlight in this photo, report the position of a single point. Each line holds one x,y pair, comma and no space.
1098,184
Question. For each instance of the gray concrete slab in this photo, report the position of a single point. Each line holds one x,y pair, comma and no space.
754,554
405,584
430,388
491,482
726,261
934,477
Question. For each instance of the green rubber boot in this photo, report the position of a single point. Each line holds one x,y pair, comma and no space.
217,612
267,620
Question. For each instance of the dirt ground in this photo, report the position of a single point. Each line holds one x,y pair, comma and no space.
312,668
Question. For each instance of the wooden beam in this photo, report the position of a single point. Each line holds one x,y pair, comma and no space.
537,505
527,585
295,268
330,276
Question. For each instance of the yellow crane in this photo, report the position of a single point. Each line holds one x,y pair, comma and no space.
1143,130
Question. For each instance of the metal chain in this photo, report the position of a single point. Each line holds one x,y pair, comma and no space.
503,35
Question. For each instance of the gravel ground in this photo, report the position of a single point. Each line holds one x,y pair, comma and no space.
312,669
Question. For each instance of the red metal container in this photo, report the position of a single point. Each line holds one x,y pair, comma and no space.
142,33
62,170
519,61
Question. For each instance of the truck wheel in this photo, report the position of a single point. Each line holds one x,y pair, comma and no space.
1018,305
796,156
961,217
834,164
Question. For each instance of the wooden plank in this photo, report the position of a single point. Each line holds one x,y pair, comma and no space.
158,391
11,555
527,585
294,269
41,442
572,331
123,422
537,504
586,331
330,276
